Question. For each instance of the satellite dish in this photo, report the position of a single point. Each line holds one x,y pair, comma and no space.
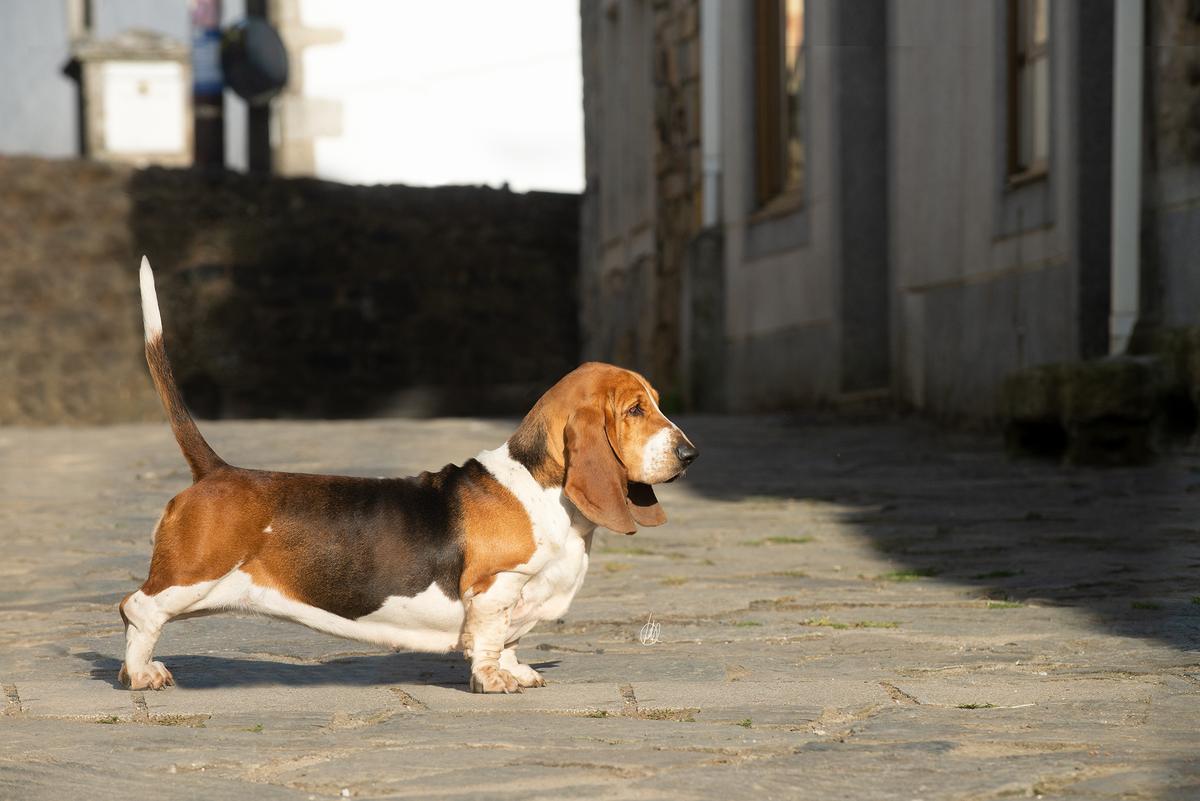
254,60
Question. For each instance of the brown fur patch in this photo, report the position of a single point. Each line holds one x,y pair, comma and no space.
206,530
338,543
497,533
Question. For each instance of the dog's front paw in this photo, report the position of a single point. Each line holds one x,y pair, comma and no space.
153,676
527,676
493,679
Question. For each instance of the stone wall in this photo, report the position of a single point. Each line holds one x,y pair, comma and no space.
70,328
280,297
678,168
641,76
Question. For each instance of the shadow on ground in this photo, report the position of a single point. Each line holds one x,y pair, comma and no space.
1122,544
202,672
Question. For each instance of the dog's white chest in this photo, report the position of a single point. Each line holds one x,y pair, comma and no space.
548,594
563,538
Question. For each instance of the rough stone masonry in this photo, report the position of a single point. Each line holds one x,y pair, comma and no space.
281,296
877,611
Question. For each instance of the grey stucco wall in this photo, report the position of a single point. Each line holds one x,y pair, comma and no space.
979,291
1176,219
111,17
38,113
807,300
780,313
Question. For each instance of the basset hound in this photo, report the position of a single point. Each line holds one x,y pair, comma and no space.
468,558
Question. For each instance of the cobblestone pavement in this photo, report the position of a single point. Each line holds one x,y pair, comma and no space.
865,612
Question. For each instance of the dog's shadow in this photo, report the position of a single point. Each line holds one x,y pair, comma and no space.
205,671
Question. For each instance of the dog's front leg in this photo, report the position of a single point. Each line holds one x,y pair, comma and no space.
524,674
486,632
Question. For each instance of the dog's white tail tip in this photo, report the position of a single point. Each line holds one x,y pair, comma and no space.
150,317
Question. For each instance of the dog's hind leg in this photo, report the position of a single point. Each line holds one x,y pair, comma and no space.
144,616
143,623
198,544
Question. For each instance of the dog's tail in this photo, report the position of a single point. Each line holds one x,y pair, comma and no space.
199,454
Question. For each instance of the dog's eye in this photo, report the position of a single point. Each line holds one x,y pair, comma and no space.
635,410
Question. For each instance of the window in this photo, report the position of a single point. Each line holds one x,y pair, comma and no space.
1028,89
779,81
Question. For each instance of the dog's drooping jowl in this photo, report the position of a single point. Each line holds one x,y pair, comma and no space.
468,558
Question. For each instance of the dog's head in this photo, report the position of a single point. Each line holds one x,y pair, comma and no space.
600,435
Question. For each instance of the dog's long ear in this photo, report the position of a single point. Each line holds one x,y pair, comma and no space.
643,505
595,479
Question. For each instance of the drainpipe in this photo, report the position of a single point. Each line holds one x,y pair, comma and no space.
1128,41
208,84
710,109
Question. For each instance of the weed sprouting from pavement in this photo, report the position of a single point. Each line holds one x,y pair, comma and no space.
779,540
859,624
630,551
677,715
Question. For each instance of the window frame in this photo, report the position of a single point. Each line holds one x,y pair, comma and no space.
1023,202
1022,55
772,196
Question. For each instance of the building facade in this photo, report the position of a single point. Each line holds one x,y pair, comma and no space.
803,201
48,110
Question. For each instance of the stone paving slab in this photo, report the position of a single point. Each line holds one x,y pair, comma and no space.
876,611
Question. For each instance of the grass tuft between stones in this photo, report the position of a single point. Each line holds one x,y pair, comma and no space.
630,551
909,575
779,541
687,715
858,624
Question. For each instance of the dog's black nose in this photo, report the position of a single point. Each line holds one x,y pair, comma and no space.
686,453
